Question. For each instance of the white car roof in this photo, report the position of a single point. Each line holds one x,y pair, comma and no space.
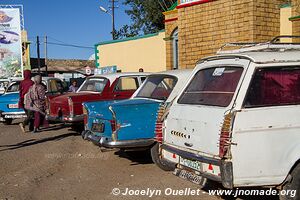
262,53
182,76
114,76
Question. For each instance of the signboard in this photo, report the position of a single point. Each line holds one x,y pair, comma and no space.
10,43
106,70
88,70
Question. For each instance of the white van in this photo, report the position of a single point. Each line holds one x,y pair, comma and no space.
237,120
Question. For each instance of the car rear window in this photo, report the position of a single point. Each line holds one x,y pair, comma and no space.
212,86
158,87
13,87
93,85
274,86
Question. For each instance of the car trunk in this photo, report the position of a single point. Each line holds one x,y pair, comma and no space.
140,118
199,134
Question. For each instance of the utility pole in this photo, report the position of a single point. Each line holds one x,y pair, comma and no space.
113,7
38,54
45,48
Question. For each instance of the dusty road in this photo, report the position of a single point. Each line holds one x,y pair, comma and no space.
58,164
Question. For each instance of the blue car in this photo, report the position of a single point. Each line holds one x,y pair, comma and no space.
9,108
133,124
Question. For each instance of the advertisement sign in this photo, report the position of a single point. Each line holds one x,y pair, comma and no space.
10,43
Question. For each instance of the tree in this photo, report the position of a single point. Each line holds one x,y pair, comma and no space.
146,16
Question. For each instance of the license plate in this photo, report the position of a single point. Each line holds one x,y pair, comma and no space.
98,127
196,165
14,116
188,176
13,105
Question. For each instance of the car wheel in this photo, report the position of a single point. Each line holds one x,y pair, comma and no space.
8,121
156,157
291,189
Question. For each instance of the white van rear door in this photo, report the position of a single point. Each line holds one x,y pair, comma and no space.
195,119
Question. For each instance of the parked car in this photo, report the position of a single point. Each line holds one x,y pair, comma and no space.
3,85
9,108
68,107
131,124
237,119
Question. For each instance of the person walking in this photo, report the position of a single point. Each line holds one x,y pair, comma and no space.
37,94
23,89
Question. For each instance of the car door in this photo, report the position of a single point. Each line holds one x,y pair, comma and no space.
266,129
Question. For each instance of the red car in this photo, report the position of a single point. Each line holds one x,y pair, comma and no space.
68,107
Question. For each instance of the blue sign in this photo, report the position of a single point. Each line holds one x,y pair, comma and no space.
106,70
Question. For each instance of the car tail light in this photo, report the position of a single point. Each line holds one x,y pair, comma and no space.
159,124
225,136
85,114
114,124
71,107
47,106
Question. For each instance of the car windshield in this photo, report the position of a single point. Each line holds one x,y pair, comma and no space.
158,87
93,85
14,87
212,86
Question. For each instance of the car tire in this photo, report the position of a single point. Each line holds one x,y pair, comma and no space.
292,185
8,121
156,157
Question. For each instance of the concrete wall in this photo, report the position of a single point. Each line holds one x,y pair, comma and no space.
286,26
131,54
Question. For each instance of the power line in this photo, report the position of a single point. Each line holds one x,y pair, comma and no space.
70,45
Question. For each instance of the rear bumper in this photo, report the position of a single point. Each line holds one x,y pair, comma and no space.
225,167
65,119
125,144
108,143
13,115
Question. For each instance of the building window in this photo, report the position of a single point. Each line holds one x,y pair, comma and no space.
175,49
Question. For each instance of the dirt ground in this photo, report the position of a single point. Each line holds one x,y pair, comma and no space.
58,164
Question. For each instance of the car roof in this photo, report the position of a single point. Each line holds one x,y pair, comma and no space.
261,53
114,76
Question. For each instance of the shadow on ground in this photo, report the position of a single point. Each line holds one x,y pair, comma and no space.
32,142
137,157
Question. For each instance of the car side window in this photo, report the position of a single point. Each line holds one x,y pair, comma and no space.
274,86
127,83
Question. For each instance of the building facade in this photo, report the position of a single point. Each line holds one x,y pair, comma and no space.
146,52
198,28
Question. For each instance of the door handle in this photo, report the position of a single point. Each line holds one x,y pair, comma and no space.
188,144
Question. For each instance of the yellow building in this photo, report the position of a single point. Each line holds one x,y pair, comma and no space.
131,54
198,28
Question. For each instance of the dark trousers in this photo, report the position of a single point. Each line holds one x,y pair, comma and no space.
29,119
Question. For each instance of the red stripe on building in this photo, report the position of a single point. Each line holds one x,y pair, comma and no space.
171,20
193,3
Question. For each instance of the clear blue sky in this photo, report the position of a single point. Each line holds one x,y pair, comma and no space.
78,22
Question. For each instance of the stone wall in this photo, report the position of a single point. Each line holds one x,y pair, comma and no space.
204,28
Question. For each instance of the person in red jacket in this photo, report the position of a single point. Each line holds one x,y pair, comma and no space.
24,88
